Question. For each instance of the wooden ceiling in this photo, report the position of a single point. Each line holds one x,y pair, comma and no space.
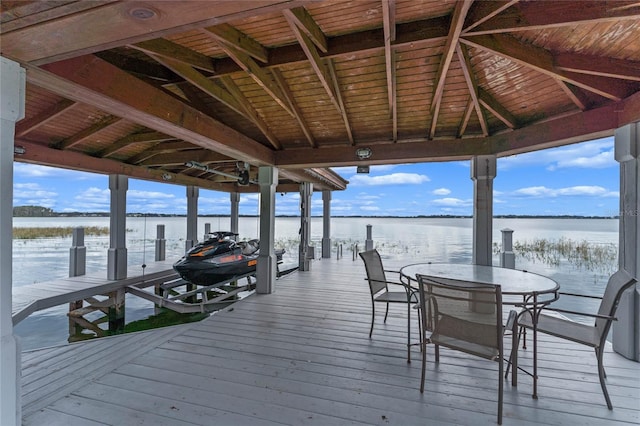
146,88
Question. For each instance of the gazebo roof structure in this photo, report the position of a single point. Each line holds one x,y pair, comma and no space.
195,92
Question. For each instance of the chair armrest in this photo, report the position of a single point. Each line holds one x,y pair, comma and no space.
566,311
511,320
579,295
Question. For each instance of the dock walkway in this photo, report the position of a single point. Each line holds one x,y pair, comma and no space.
302,356
35,297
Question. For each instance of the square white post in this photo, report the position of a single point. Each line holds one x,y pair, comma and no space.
267,262
117,253
626,330
483,171
235,211
192,217
326,224
12,101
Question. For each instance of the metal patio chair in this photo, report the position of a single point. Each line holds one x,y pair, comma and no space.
594,335
379,287
465,316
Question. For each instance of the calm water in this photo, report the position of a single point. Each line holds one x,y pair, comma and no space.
410,239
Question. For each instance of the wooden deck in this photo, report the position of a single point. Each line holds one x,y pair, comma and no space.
302,356
35,297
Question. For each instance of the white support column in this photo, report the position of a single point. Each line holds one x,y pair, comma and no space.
483,171
12,100
326,224
304,261
235,211
192,217
626,330
267,262
117,254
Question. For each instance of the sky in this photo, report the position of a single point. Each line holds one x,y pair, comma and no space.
579,179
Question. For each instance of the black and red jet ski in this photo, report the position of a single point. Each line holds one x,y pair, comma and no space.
220,258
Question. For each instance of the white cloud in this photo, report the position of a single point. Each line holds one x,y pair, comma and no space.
595,154
453,202
441,191
579,190
24,170
370,208
391,179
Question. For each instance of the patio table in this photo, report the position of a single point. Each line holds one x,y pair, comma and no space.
527,290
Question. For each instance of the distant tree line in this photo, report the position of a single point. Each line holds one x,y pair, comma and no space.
33,211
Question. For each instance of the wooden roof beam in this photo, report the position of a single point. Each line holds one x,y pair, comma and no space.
534,15
134,138
294,107
301,18
466,117
315,60
250,112
542,61
95,82
225,33
457,21
39,154
76,33
85,134
181,157
487,101
482,11
23,127
469,77
258,74
389,26
180,54
342,108
595,65
576,95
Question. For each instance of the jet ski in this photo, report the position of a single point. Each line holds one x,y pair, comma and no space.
219,259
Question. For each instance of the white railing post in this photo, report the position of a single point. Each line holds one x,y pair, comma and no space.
507,256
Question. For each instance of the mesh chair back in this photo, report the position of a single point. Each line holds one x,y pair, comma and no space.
375,271
618,283
466,316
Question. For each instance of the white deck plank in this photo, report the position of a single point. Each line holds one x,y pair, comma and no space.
302,356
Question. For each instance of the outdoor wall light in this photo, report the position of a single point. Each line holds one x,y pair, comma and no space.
363,153
19,150
166,176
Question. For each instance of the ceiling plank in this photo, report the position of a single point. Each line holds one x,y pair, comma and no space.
541,60
178,53
250,112
107,26
144,137
342,109
389,26
85,134
258,74
98,83
487,101
482,11
23,127
596,65
457,21
472,85
534,15
301,18
227,34
294,107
